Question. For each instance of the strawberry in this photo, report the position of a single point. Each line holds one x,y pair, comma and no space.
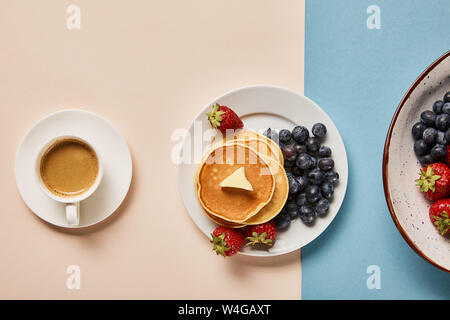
434,181
439,215
448,155
262,233
227,241
223,119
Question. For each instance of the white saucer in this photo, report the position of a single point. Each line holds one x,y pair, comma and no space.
261,107
107,141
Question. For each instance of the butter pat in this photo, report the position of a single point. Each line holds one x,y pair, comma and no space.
237,180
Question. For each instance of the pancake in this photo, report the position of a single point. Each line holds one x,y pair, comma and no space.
251,134
269,211
232,204
218,220
260,143
280,195
223,222
260,146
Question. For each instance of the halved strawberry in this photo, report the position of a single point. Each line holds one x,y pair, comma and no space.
439,216
434,181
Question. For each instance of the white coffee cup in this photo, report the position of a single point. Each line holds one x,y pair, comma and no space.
72,204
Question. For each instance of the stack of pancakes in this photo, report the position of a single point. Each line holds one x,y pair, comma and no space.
262,161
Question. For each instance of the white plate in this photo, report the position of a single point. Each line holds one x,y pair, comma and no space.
106,140
261,107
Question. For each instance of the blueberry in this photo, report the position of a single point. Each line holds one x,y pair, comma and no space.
417,130
312,193
324,152
283,225
316,176
319,130
284,136
296,171
447,135
429,118
421,148
278,219
322,207
443,122
307,214
294,187
283,215
441,138
426,160
326,164
327,190
313,163
289,153
447,97
304,161
290,197
332,177
439,153
282,220
446,108
279,216
437,106
302,182
300,148
300,134
271,134
301,199
292,209
429,135
289,163
313,144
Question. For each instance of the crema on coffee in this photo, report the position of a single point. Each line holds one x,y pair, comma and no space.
69,167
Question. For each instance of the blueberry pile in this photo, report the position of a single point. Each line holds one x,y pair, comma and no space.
432,133
309,168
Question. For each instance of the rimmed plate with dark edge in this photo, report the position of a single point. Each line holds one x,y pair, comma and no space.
408,207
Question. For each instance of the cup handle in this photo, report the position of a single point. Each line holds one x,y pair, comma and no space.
73,213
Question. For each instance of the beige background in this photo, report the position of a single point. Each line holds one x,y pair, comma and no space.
148,67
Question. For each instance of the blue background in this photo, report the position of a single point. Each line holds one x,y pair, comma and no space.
358,76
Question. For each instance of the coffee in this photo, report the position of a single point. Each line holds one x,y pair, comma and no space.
69,167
